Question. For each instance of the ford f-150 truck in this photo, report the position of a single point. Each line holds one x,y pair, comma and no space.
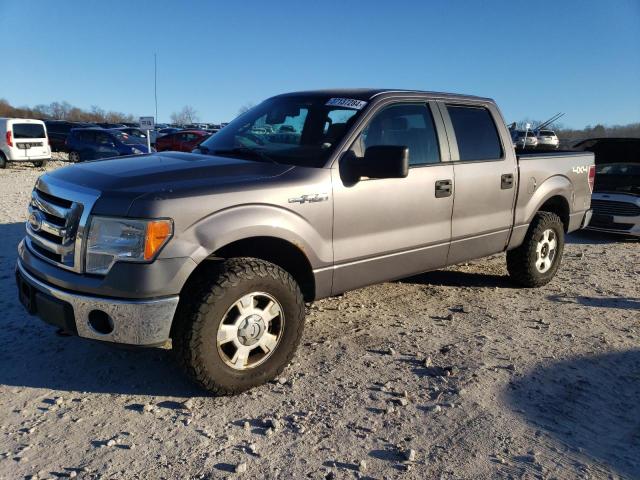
304,196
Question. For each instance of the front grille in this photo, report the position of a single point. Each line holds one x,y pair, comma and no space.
609,207
52,227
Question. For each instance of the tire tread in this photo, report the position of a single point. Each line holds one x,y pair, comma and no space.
208,289
519,266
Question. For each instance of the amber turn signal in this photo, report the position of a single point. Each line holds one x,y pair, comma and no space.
158,232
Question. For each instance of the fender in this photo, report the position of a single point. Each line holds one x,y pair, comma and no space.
257,220
527,207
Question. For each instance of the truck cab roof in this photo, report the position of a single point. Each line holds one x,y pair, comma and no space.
368,94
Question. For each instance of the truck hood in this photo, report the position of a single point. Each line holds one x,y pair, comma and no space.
123,179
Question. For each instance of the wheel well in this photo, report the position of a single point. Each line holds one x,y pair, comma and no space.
280,252
560,207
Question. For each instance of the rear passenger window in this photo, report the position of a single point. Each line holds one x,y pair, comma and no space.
87,136
408,125
476,133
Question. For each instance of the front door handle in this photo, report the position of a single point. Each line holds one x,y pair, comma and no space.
506,181
443,188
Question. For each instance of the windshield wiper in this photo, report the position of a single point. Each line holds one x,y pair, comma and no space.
243,151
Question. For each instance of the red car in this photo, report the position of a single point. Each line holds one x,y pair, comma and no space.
182,141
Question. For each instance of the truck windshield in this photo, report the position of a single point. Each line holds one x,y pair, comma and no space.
302,131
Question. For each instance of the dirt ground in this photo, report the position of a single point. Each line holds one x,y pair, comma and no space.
451,374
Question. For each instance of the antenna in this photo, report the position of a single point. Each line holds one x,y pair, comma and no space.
155,82
550,121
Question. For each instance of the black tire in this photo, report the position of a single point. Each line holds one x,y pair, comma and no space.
521,262
203,307
74,157
3,161
40,163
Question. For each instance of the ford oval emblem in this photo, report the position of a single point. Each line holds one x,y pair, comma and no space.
35,221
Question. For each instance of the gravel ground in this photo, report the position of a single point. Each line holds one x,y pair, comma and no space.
450,374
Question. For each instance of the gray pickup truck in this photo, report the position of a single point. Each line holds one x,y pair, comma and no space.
304,196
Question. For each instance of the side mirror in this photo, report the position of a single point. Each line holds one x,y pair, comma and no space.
382,161
385,161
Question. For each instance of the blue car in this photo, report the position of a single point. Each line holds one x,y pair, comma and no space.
95,143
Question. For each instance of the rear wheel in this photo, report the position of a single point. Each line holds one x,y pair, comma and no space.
40,163
3,161
74,157
536,261
239,324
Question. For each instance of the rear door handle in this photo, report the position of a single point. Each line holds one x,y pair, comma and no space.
506,181
443,188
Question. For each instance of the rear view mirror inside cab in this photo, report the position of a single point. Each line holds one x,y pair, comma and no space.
279,116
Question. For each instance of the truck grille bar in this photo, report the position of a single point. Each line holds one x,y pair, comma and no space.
610,207
55,228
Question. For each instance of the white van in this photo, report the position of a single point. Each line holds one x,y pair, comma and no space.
23,140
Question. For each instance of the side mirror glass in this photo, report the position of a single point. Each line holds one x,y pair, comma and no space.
385,161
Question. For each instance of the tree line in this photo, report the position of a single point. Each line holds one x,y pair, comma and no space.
188,114
95,114
631,130
64,111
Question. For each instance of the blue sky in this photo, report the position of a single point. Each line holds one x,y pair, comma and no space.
534,58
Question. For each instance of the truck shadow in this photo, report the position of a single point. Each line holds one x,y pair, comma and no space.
454,278
592,237
588,403
622,303
32,355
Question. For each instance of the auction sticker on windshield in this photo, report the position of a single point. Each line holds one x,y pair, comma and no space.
347,103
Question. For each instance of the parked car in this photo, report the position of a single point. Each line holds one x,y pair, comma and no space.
94,143
219,251
182,141
166,131
58,130
547,139
521,141
616,195
23,140
110,125
141,134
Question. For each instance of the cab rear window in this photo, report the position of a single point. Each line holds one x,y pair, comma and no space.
28,130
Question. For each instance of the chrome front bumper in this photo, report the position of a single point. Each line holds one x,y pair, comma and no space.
132,322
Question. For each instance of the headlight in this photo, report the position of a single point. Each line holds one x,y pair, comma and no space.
123,240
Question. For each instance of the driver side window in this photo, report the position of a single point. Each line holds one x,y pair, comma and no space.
103,139
406,124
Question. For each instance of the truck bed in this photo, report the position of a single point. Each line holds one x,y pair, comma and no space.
558,176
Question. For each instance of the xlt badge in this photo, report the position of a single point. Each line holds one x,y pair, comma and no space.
313,198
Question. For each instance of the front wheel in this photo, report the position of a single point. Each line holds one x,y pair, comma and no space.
536,261
74,157
40,163
238,325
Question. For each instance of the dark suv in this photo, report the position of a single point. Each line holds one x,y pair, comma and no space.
94,143
58,130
